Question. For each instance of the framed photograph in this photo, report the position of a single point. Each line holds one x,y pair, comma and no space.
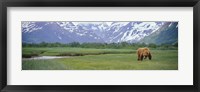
76,45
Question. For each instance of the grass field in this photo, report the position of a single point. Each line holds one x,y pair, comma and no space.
98,59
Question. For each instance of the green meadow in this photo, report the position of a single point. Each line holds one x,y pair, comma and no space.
97,59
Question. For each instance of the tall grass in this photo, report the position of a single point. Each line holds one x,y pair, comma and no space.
162,60
66,51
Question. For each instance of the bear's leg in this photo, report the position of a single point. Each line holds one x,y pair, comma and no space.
138,57
150,56
141,57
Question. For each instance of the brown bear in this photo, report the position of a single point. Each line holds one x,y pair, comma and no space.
143,53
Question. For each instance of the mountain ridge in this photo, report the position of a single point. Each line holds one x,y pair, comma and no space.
100,32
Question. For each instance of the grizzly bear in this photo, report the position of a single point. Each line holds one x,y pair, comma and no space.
143,53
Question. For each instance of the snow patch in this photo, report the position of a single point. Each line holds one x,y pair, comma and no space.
170,24
80,34
94,28
29,27
59,37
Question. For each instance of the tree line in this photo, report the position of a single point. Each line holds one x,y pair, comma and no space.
121,45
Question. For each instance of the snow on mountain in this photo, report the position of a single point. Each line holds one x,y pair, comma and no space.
167,34
139,30
103,26
65,32
29,27
118,25
170,24
131,31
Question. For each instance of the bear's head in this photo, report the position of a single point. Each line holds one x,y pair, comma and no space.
145,54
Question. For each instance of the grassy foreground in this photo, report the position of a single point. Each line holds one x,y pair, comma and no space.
99,59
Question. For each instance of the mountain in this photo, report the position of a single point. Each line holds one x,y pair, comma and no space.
63,32
167,34
132,31
100,32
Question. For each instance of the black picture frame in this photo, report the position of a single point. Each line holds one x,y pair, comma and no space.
98,3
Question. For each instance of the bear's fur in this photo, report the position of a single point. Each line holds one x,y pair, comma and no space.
143,53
